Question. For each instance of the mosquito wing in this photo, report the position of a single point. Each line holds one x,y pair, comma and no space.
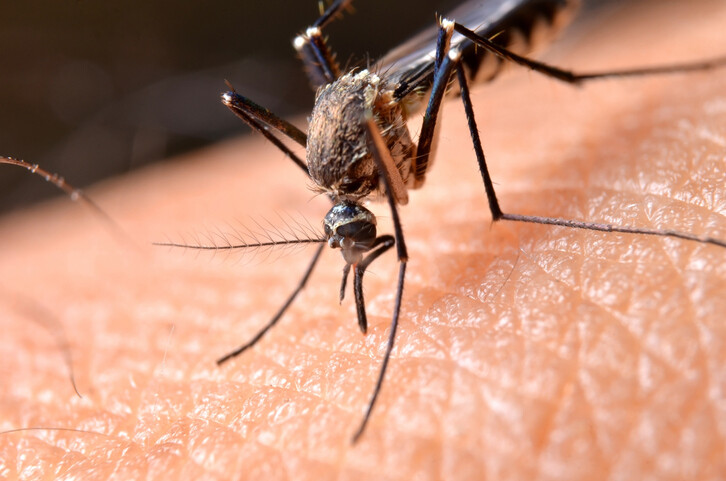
519,25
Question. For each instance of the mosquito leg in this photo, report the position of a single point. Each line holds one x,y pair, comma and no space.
237,105
382,244
321,68
331,12
343,283
320,64
575,78
442,73
386,355
280,313
377,144
497,213
494,207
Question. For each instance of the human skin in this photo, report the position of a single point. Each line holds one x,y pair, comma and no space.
524,352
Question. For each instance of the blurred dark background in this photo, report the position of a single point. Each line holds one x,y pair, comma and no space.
91,89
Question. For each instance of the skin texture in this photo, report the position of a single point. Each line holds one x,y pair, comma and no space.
524,352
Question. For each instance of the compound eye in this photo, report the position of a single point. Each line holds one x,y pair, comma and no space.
352,228
360,232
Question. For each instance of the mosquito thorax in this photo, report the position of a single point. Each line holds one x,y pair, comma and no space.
337,152
352,228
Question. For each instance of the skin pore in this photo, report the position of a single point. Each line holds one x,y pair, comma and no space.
523,351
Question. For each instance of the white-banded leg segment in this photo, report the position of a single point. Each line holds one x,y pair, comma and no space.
261,119
318,59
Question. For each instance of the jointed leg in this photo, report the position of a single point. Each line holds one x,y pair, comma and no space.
571,77
319,60
260,119
442,73
321,68
450,59
497,213
378,145
279,314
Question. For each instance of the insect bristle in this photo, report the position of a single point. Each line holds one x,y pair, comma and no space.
252,239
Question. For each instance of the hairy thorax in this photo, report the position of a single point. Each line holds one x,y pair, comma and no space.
338,155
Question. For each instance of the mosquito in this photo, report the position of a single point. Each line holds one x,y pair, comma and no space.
358,145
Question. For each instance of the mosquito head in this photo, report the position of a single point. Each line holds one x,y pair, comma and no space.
352,228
